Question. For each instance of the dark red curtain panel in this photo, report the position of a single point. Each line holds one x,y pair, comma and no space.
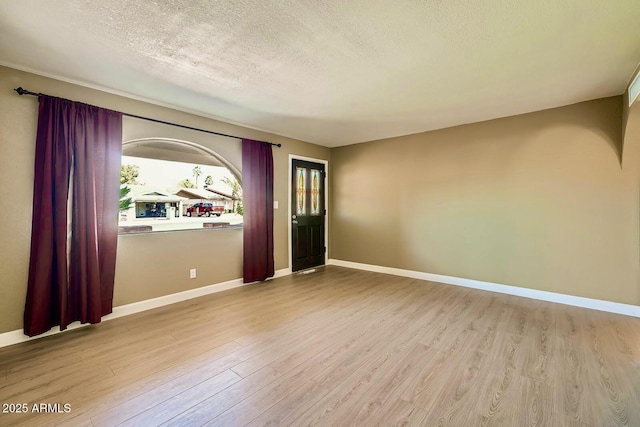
257,199
78,150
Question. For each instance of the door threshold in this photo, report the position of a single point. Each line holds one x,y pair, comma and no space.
309,270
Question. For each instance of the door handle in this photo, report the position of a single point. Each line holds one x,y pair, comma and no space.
294,222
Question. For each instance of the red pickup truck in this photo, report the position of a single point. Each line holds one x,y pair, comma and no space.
206,209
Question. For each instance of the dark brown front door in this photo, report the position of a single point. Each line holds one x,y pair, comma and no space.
307,214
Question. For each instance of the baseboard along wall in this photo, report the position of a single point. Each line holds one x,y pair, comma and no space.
17,336
594,304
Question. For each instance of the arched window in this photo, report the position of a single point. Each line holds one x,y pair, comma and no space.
169,185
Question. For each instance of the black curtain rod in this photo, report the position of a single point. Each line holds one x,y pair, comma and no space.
22,91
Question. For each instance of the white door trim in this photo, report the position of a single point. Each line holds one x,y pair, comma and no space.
326,203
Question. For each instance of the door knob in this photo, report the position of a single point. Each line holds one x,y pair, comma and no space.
294,222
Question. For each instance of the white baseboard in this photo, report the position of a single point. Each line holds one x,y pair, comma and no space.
18,336
280,273
595,304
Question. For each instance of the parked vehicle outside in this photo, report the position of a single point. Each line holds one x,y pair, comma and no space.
206,209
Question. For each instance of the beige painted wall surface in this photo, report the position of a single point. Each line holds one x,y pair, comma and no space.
163,267
148,266
537,201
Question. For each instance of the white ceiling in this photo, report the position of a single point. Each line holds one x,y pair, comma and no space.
333,72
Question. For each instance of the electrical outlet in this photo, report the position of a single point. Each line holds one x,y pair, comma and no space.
192,273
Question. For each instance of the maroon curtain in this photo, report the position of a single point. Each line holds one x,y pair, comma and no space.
257,198
78,150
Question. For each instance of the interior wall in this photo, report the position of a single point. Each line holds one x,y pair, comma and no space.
147,266
630,128
538,201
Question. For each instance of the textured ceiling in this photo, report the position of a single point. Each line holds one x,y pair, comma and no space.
333,72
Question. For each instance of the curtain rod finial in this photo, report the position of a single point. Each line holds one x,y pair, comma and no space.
22,91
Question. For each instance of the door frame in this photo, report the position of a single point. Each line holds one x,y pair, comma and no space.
293,157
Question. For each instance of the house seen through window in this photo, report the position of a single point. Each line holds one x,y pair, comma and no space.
166,195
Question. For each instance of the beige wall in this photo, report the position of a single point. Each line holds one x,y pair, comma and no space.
630,128
538,201
148,266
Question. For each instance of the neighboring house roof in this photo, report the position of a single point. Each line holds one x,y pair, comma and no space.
220,193
143,193
207,193
154,198
138,189
194,193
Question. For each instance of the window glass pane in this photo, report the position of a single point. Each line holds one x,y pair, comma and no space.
301,186
315,192
167,196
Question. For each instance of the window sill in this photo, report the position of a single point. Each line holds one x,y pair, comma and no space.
147,229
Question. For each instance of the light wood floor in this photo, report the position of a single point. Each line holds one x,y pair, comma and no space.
336,347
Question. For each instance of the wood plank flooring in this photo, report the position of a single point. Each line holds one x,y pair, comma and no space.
336,347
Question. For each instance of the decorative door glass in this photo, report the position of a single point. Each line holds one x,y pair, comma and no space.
315,192
301,187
